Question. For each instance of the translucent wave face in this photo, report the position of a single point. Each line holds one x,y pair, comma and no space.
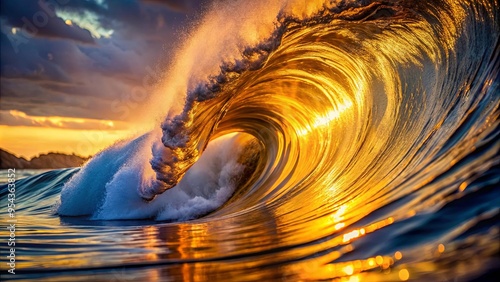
374,122
333,98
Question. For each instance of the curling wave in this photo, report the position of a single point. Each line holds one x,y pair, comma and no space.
327,123
348,96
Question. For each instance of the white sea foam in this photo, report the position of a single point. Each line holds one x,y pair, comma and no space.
123,169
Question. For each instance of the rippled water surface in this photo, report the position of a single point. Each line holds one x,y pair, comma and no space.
351,141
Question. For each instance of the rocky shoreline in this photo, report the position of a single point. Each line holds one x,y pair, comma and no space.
43,161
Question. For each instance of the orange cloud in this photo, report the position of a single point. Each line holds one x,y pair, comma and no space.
18,118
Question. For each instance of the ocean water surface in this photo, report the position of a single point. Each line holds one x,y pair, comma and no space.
338,140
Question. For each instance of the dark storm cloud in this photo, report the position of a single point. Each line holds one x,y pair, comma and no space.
178,5
49,99
61,70
33,61
38,19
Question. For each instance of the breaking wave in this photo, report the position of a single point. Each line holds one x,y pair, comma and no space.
331,133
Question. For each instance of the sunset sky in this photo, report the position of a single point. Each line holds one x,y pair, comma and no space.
76,75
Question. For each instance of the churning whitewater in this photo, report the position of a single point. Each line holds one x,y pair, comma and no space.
307,141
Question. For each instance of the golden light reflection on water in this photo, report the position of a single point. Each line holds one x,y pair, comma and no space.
327,171
441,248
150,242
398,255
328,118
349,269
404,274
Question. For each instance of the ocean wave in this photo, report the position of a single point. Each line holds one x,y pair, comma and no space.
315,128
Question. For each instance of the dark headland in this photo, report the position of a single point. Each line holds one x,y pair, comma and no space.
43,161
